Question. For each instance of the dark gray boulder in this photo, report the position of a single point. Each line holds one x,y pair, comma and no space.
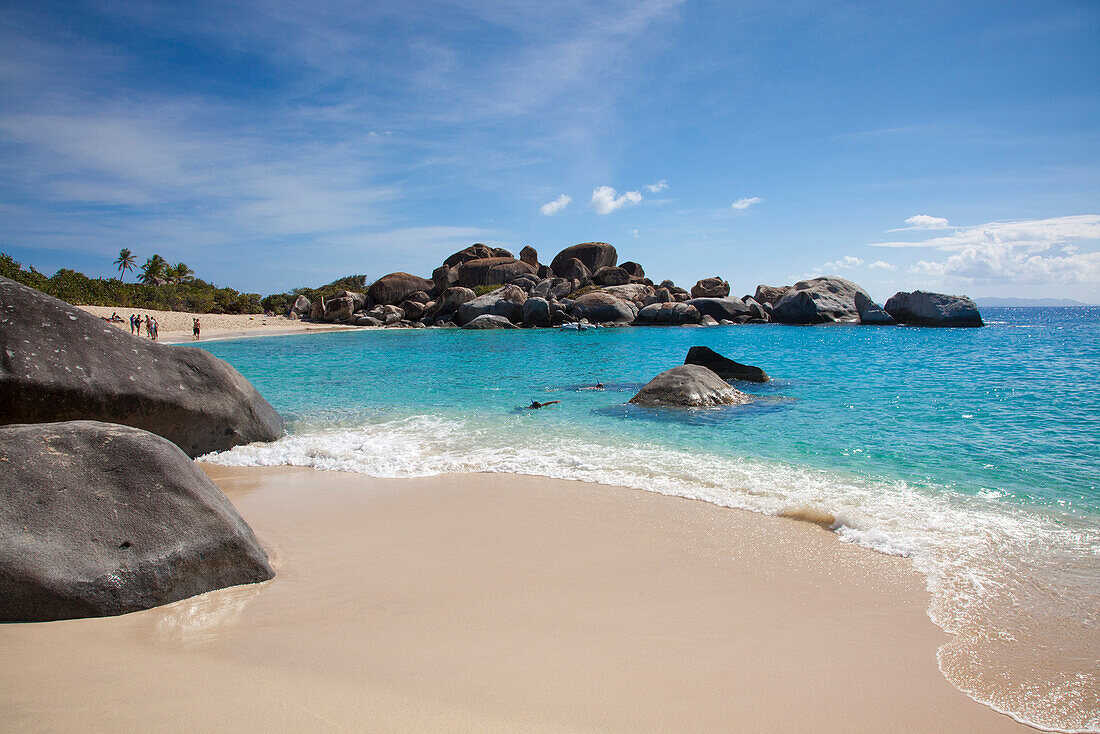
668,314
451,299
492,271
506,301
733,309
921,308
59,363
710,288
725,368
689,385
603,308
413,310
633,269
340,309
819,301
489,321
871,313
367,321
594,255
536,312
611,276
394,288
443,277
98,519
317,310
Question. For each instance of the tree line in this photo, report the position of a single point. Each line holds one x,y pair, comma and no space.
162,286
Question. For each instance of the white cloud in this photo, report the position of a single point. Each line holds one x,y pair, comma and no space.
656,188
923,221
848,262
1034,252
745,203
606,199
551,208
880,265
634,233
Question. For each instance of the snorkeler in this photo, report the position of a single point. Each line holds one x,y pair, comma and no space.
536,404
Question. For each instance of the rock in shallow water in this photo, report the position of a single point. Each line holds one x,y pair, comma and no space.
725,368
60,363
98,519
689,385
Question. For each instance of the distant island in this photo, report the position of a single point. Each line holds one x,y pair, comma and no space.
1029,302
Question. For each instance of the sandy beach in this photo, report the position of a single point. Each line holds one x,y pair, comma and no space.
506,603
175,326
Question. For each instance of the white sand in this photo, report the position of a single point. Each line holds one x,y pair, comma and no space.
505,603
175,326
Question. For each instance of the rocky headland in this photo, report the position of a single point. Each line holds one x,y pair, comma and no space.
586,284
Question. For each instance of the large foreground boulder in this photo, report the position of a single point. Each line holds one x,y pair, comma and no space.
392,289
819,301
921,308
689,385
59,363
725,368
98,519
593,255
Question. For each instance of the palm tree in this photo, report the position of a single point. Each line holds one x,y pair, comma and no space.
125,261
181,273
154,269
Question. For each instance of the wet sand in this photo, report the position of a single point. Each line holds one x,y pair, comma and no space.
505,603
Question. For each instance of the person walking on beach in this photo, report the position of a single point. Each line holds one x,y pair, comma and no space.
132,328
196,328
154,329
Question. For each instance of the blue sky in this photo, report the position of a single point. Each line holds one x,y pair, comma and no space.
950,146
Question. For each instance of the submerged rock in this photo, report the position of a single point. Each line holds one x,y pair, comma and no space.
725,368
921,308
689,385
98,519
60,363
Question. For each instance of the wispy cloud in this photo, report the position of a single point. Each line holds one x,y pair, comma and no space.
551,208
606,200
634,233
923,221
742,204
1033,252
848,262
656,188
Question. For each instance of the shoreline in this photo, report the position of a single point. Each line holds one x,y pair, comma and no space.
175,326
505,602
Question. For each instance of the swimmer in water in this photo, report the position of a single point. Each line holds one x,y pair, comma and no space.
536,404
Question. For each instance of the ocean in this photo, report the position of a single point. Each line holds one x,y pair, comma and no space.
975,452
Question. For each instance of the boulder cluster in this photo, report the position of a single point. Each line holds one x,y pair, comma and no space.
484,287
102,510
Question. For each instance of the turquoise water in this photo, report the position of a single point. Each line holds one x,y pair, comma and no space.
973,451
